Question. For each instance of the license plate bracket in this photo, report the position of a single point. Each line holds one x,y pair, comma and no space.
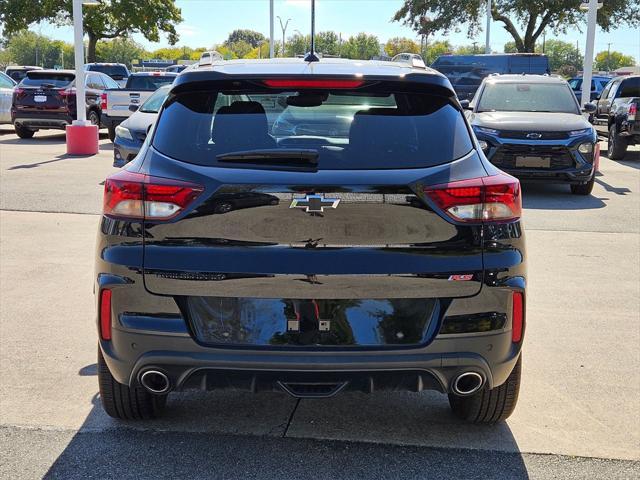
533,162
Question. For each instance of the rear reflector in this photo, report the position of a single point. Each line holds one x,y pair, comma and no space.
105,314
517,317
308,83
136,195
488,199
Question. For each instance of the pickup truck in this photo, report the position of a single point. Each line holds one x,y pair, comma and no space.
118,104
616,115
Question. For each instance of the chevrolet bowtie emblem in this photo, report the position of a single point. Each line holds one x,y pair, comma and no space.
534,135
314,203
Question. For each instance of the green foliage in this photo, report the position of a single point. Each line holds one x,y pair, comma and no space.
397,45
510,47
297,45
361,47
251,37
327,43
121,50
29,48
173,53
525,20
239,48
613,60
106,20
437,48
560,54
469,50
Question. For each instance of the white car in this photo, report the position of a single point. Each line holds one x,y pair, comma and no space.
6,97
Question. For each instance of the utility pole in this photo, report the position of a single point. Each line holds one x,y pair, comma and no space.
487,44
284,31
587,74
271,41
608,57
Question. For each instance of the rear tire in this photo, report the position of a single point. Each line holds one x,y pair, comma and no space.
584,189
489,406
94,118
23,132
123,402
617,147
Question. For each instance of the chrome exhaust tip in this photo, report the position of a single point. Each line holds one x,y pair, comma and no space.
467,383
155,382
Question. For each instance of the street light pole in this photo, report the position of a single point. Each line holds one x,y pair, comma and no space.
588,53
487,43
82,136
284,31
78,48
271,41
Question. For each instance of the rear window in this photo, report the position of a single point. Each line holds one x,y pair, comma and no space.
117,72
149,82
629,88
52,79
348,130
527,97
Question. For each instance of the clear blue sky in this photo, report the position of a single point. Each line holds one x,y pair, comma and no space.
208,22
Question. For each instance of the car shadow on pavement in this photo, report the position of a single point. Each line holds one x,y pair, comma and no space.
557,197
271,435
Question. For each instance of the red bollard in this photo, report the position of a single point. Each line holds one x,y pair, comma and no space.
82,139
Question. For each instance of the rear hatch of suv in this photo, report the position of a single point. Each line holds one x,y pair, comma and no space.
312,225
45,92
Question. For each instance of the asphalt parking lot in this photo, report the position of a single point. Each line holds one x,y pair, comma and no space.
579,409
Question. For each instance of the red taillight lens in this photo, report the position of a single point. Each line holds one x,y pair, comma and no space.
103,101
67,92
308,83
105,314
488,199
136,195
632,111
517,317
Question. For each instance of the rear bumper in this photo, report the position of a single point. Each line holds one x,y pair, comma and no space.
39,120
109,121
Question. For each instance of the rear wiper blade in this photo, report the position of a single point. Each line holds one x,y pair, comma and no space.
273,156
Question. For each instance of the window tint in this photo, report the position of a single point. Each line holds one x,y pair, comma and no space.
527,97
37,78
117,72
110,82
629,87
348,130
155,101
149,82
5,81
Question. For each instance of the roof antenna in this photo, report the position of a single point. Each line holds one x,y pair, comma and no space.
311,56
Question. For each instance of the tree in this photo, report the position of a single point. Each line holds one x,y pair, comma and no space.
361,47
468,50
327,43
297,45
437,48
398,45
173,53
525,20
251,37
120,50
29,48
106,20
239,48
560,54
612,60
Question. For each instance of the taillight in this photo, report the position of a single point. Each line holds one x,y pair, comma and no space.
488,199
103,101
67,92
105,314
18,91
517,316
136,195
632,110
310,83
